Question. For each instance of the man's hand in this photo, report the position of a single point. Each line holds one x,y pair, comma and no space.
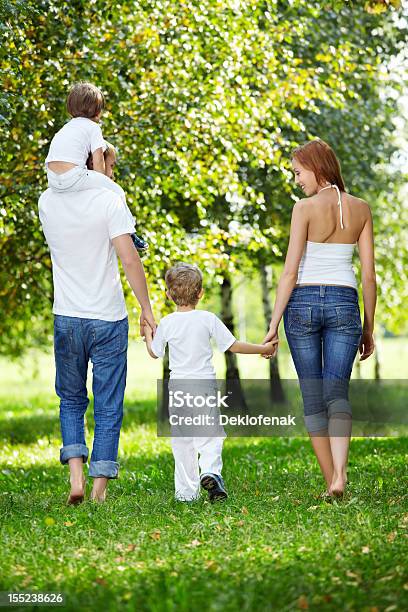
147,318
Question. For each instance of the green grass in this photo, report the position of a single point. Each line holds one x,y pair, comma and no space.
274,545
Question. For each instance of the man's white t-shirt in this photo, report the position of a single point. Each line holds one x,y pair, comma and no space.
188,335
79,228
75,140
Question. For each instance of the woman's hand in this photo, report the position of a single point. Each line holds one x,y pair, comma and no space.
367,345
271,336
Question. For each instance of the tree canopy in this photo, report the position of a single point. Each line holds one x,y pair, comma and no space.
204,102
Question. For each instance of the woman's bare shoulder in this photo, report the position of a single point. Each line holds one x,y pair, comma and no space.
304,203
360,203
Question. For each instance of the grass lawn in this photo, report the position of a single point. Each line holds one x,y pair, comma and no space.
274,545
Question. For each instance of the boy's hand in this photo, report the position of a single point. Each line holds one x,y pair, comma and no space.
147,331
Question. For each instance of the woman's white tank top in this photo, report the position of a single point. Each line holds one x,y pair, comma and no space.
328,263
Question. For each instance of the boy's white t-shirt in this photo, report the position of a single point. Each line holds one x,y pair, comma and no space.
79,228
188,335
75,140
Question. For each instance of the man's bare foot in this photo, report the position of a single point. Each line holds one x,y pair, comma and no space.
77,493
99,489
99,499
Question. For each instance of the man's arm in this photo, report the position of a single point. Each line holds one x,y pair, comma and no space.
134,271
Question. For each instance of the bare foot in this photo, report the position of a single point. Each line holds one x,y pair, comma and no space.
99,499
338,485
99,490
77,493
325,496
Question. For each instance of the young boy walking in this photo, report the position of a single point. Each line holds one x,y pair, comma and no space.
187,331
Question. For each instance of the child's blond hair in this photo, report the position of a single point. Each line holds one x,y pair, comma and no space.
184,282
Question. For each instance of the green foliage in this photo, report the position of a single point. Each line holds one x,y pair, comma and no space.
205,102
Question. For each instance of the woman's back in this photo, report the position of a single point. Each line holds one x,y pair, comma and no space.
335,221
325,219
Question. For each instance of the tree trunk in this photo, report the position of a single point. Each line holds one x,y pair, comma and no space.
276,388
233,381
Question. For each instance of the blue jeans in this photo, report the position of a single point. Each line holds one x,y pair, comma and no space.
76,341
323,329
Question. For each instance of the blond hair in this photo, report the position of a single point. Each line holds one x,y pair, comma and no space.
184,282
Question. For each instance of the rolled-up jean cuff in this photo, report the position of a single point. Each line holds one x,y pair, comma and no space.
72,451
103,469
338,405
316,422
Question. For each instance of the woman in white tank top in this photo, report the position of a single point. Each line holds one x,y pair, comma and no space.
317,296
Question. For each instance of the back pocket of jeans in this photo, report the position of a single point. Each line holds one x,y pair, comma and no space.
63,341
110,337
348,319
300,319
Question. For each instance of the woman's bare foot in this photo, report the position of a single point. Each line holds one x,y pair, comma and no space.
77,493
325,496
338,485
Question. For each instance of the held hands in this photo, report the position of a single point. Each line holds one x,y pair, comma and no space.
147,322
147,333
271,339
271,348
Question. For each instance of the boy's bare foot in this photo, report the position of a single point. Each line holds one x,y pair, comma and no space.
77,493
